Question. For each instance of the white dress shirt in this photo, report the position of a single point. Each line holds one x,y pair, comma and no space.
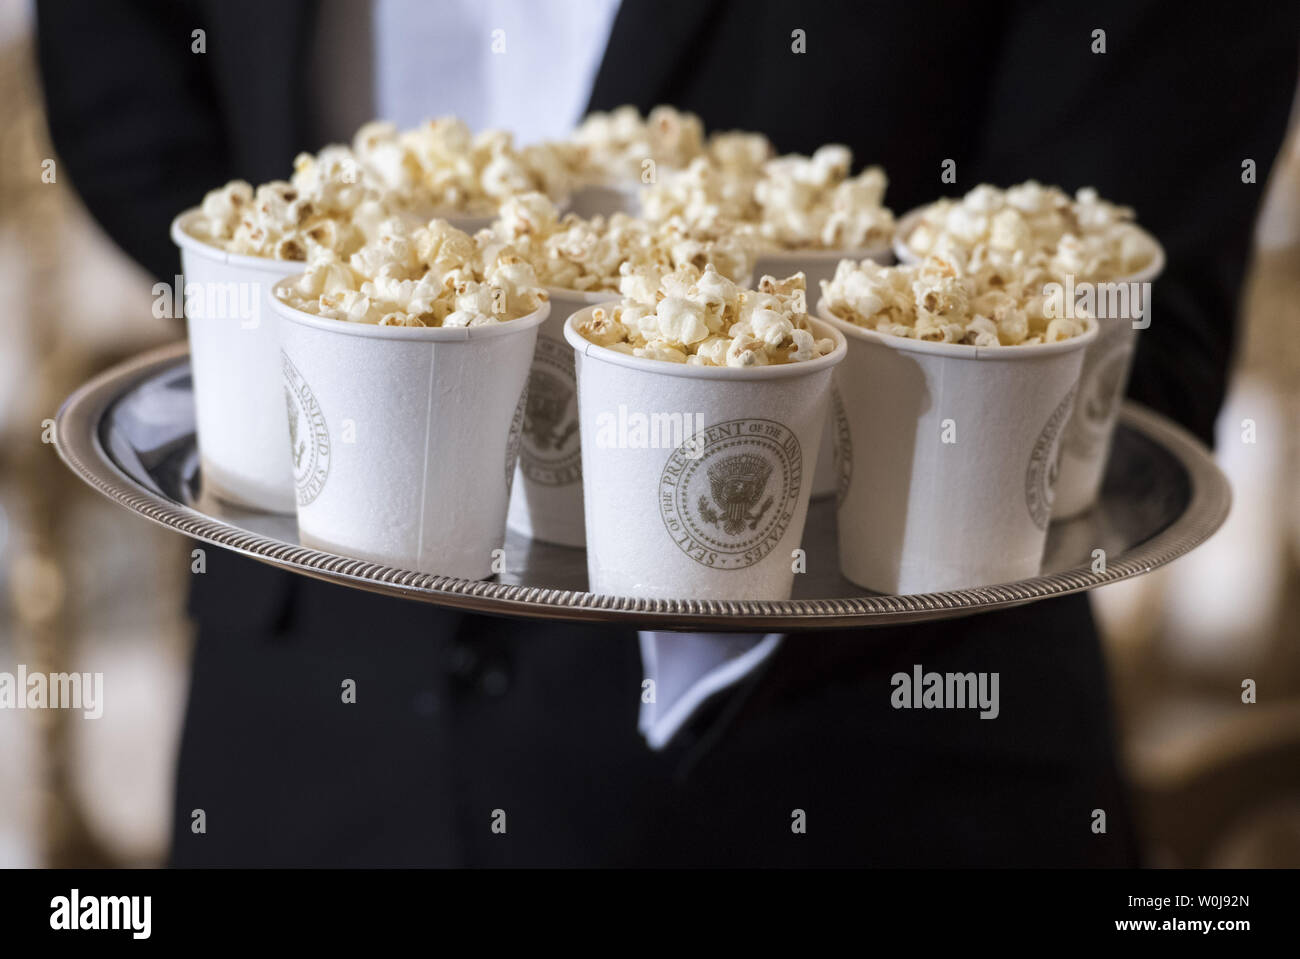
687,669
521,65
527,66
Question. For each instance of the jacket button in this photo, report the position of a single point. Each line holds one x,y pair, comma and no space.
494,681
462,661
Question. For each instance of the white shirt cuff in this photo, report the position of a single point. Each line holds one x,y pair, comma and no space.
688,668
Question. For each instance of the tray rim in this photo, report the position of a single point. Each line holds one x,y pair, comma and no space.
76,438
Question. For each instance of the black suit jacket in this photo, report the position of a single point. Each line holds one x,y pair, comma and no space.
458,716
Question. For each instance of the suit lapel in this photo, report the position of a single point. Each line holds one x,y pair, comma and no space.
259,62
649,40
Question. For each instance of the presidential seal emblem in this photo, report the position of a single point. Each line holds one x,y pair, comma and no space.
1044,463
1100,387
309,437
841,448
728,494
512,439
549,450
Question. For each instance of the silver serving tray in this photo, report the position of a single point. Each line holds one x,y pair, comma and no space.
130,434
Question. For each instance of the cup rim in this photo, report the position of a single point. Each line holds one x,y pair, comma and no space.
590,297
614,184
469,223
821,256
960,351
780,371
906,256
187,241
184,239
902,229
1152,270
482,219
422,334
597,297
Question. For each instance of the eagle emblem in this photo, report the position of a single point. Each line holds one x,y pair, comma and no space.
297,447
737,483
548,402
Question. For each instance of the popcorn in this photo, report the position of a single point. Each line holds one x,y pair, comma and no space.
336,199
432,275
940,300
703,196
793,202
618,253
703,319
614,146
739,154
812,202
440,166
1030,224
324,206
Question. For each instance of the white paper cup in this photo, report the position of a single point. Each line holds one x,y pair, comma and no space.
469,223
465,222
950,457
546,500
902,230
405,438
1085,447
235,364
696,478
818,265
606,199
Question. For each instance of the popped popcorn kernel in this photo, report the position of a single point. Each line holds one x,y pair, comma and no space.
441,167
618,253
937,302
1036,226
613,146
431,275
703,319
792,202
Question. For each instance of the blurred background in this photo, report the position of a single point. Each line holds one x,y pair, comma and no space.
85,586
